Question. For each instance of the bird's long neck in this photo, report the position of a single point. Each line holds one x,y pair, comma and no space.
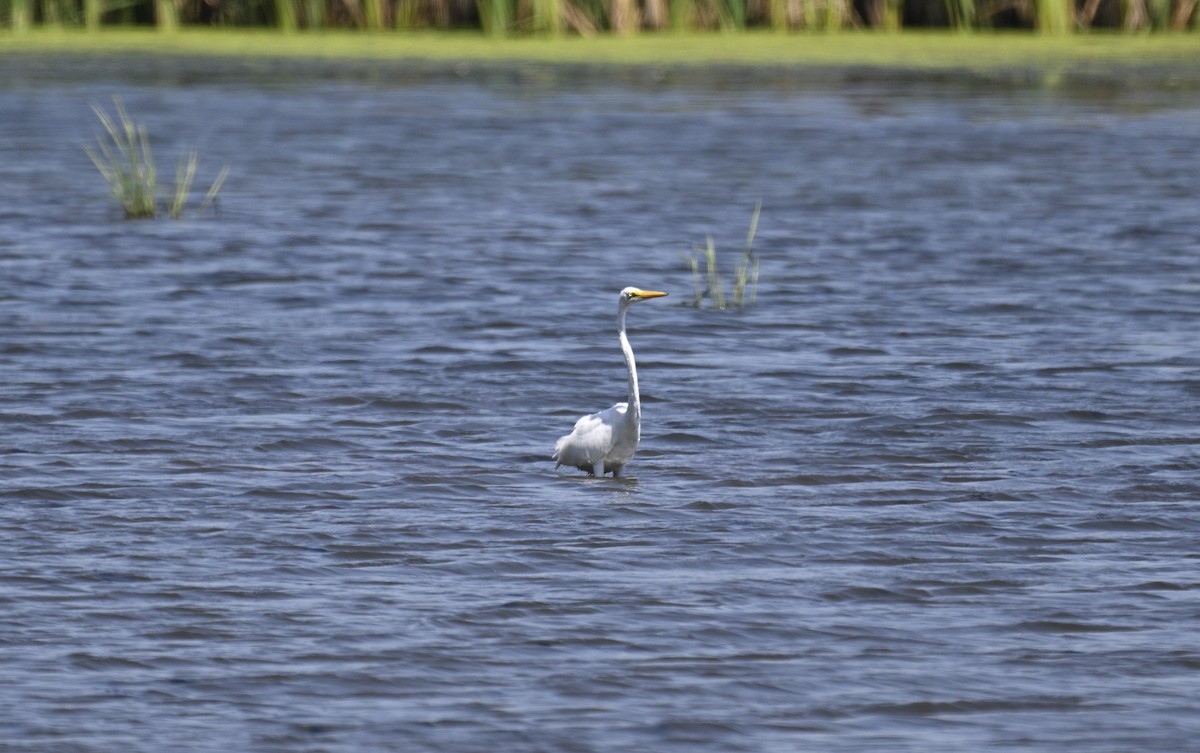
635,399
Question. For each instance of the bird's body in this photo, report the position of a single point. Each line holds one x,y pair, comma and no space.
604,442
600,443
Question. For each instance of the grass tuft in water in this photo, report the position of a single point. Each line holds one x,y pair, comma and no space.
126,162
710,287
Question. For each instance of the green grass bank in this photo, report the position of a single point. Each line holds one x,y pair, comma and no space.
1132,61
1177,55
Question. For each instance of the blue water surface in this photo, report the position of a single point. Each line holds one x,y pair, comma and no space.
277,477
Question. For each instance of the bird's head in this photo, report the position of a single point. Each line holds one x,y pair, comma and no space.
633,295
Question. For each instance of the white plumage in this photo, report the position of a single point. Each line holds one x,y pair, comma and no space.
604,442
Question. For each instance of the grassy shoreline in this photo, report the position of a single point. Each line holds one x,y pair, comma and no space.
1175,56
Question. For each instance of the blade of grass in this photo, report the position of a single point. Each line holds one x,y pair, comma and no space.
716,288
185,173
749,263
166,15
93,12
210,198
694,265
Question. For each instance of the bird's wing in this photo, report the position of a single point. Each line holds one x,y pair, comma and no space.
591,440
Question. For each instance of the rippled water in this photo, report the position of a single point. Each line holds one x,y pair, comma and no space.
279,479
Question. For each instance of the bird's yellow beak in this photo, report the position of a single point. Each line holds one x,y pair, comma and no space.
647,294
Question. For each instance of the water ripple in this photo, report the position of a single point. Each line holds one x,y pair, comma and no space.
279,478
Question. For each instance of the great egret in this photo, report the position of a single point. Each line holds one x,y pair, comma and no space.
604,442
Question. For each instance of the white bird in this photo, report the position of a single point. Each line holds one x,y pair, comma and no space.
604,442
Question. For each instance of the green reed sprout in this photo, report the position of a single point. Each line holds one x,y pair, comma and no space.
710,286
185,173
747,270
126,162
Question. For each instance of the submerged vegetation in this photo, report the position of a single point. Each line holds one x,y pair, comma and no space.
710,287
123,156
588,17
